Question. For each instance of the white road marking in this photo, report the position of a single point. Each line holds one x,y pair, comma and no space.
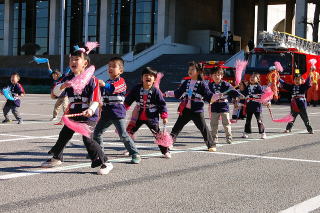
36,172
304,207
263,157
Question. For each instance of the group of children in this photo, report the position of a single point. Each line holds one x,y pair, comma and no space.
102,104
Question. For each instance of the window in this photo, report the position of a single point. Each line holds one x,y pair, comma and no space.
133,22
1,26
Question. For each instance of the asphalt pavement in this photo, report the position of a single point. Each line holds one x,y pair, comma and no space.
278,173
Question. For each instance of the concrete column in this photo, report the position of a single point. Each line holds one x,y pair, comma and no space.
262,15
8,28
162,20
289,16
227,16
105,27
301,16
54,26
172,19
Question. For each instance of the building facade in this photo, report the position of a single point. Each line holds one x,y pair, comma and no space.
120,26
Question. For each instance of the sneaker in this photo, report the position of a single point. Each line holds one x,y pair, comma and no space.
52,162
105,169
245,135
135,159
20,121
229,140
212,149
310,130
167,155
287,131
54,119
126,153
6,121
263,136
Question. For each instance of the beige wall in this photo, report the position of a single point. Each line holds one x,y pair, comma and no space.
196,15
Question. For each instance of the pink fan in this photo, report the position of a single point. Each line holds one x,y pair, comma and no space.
266,96
164,138
278,66
79,82
313,62
80,128
285,119
158,80
91,45
240,66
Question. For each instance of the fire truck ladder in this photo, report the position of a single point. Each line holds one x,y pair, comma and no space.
282,40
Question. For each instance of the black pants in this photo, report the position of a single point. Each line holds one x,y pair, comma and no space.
154,127
304,116
247,127
14,109
94,150
198,120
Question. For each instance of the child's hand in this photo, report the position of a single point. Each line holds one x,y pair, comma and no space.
268,104
101,83
67,84
165,121
87,113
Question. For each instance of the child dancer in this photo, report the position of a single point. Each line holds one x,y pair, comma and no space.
86,103
17,91
113,110
239,109
62,101
151,104
298,101
253,92
221,106
192,92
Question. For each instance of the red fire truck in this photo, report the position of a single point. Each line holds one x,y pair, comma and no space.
291,51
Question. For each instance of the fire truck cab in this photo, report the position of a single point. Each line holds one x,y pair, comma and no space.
291,51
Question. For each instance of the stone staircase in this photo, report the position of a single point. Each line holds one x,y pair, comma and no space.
174,67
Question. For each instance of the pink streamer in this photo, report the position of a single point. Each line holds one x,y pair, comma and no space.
278,66
266,96
79,82
164,139
80,128
91,45
240,66
158,80
285,119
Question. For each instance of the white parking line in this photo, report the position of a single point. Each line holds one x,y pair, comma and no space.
304,207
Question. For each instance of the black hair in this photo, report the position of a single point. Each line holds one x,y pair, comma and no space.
80,53
199,68
149,71
119,59
17,74
216,69
56,72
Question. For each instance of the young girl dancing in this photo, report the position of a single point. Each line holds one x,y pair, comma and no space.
253,92
86,103
298,100
151,104
192,93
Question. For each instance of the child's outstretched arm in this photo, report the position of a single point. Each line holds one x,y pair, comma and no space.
162,106
131,97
